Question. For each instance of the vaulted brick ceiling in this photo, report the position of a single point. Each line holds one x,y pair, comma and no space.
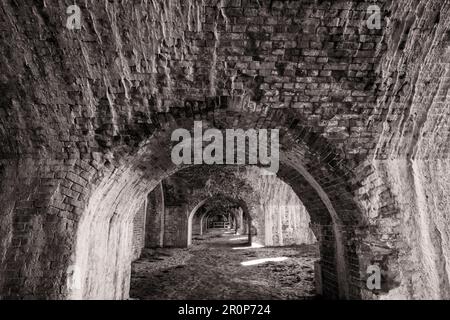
86,117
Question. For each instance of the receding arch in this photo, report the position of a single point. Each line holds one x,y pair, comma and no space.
241,203
308,163
191,217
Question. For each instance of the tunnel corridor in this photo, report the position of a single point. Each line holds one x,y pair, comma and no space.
131,132
215,268
220,232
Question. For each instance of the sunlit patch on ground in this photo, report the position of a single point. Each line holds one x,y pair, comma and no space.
238,239
211,269
264,260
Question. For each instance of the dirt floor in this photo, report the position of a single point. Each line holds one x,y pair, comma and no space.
212,269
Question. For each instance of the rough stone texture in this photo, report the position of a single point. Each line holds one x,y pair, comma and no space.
408,211
86,116
154,221
405,186
139,232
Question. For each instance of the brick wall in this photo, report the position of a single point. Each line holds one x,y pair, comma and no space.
175,234
77,159
139,223
155,220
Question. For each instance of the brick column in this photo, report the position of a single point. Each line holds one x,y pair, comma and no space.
155,221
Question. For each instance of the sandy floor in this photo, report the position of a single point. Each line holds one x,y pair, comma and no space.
212,269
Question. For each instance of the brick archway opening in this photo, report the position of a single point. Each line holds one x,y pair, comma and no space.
246,218
307,163
79,133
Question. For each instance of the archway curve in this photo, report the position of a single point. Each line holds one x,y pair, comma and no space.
97,77
308,163
240,202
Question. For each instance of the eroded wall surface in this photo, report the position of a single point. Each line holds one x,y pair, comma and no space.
78,109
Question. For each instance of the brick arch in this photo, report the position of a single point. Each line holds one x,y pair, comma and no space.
98,178
240,202
99,197
329,64
198,183
308,163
